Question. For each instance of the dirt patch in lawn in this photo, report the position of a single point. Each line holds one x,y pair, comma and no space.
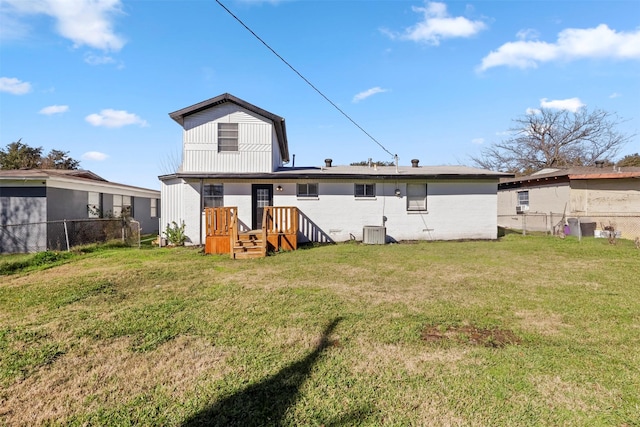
470,334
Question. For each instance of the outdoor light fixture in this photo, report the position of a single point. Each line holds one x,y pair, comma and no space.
279,188
398,194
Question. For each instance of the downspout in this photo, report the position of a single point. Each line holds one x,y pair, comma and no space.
201,208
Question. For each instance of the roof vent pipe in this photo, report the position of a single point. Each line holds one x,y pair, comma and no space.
414,163
327,162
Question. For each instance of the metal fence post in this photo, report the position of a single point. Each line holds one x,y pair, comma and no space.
66,234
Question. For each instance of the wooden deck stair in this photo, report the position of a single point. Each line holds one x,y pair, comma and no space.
279,232
249,245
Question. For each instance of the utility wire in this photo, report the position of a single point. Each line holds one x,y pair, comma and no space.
305,79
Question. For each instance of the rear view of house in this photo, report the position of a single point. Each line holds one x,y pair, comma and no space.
235,154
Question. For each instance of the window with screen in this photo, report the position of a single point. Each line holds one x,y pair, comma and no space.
213,195
227,137
416,197
308,190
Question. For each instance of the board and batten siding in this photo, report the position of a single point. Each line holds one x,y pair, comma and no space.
181,202
256,142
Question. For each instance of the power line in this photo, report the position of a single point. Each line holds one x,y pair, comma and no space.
304,78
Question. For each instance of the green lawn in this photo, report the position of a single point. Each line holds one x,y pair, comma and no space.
518,332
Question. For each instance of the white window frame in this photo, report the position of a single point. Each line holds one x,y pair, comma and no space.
213,195
523,198
122,204
368,190
417,197
94,204
154,208
227,137
306,189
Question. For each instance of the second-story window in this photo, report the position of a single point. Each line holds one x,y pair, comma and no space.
227,137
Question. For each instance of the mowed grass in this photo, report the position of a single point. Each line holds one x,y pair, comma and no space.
335,335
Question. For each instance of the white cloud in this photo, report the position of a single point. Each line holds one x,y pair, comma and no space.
115,119
94,155
93,59
85,22
14,86
615,95
570,104
54,109
367,93
572,44
528,34
477,141
437,24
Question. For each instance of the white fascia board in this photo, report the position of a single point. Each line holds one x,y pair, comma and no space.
101,187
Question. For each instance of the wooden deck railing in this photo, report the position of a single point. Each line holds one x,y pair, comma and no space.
280,227
220,224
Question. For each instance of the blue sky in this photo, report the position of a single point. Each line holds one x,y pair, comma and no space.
437,81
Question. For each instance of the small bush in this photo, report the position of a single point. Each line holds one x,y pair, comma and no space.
175,233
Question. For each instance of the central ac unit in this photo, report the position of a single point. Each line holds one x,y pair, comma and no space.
522,208
374,235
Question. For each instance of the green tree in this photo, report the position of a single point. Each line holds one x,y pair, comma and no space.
555,139
57,159
371,163
18,155
629,160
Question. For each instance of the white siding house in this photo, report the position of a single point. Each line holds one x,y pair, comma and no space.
235,154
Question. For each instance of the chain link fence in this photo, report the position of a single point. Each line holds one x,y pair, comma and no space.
625,226
66,234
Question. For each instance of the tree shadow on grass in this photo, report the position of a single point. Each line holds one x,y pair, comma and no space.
266,403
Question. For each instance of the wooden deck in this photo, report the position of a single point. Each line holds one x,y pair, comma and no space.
279,232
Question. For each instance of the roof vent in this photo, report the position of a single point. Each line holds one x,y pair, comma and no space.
414,163
600,164
327,162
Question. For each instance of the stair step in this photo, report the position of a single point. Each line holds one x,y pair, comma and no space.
248,255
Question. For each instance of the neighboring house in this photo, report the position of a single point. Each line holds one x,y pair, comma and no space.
547,200
234,154
38,196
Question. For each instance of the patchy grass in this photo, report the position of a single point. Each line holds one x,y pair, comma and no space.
524,331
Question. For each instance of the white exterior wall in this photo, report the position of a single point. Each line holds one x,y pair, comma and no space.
181,202
256,142
455,210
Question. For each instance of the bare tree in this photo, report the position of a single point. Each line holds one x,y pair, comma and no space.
550,138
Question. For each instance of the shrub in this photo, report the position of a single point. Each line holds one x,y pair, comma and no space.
175,233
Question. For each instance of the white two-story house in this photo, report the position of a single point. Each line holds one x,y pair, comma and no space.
236,154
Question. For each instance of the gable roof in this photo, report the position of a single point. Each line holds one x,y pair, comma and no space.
278,122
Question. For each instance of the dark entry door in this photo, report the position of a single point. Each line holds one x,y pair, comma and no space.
261,196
